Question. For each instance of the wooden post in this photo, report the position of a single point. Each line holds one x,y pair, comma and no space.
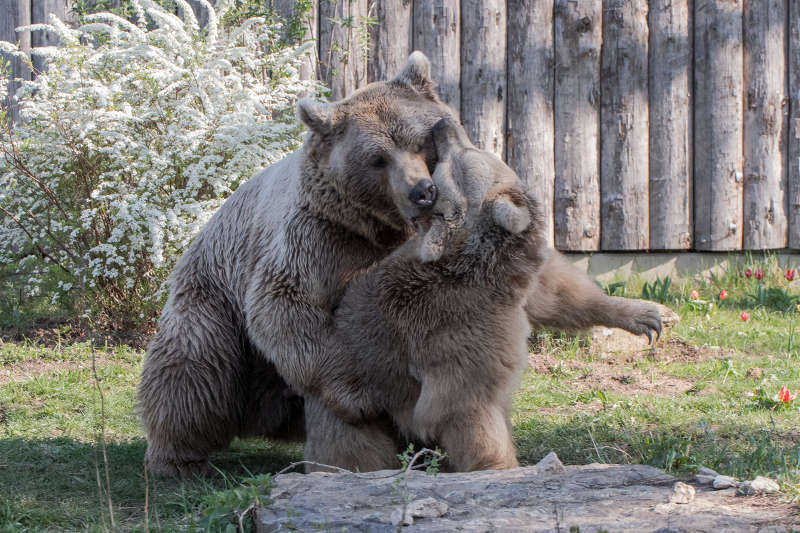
15,13
624,127
529,136
765,117
794,124
42,9
577,36
286,9
343,42
437,34
391,39
670,66
718,166
483,73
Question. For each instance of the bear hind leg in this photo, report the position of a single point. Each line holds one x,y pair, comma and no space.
191,395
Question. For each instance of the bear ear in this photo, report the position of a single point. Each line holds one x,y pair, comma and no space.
318,116
417,74
447,135
508,215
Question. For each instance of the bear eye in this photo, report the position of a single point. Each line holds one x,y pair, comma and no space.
380,162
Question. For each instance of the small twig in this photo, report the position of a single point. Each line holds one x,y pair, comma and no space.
146,500
596,449
102,439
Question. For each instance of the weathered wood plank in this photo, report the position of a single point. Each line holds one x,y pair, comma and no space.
483,73
670,64
287,10
40,14
529,134
392,38
343,39
624,127
765,122
437,34
794,124
15,13
577,37
718,163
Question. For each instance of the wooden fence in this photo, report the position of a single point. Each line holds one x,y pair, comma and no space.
640,125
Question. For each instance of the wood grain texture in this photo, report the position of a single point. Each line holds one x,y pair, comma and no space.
577,37
670,64
40,14
343,39
287,9
483,73
391,38
718,163
529,132
15,13
794,124
765,124
437,34
624,127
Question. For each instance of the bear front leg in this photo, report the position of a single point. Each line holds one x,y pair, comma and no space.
331,441
563,297
302,343
474,431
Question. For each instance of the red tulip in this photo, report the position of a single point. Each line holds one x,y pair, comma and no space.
785,396
693,295
745,316
789,274
748,273
758,273
723,294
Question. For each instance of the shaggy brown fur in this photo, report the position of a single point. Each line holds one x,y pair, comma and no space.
249,317
440,345
249,314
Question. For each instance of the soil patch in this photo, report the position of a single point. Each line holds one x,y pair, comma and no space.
51,333
25,370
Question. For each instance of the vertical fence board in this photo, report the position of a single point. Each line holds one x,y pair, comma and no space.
529,134
794,124
577,37
40,14
342,36
286,9
670,125
437,34
764,194
718,161
624,127
483,73
391,38
15,13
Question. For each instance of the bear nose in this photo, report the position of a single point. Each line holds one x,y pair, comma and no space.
424,193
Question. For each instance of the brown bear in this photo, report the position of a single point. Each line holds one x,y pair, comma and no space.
249,318
436,334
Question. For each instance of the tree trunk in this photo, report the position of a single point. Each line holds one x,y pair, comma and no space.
437,34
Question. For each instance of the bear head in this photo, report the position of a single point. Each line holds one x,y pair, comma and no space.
471,184
375,147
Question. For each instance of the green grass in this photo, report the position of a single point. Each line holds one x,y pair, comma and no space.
668,409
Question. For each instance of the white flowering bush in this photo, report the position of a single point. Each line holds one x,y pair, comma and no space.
130,140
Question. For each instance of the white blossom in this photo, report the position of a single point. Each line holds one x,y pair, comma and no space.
140,130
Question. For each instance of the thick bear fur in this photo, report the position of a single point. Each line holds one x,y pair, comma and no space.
249,321
249,314
436,334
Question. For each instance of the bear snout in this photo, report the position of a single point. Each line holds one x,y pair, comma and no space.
424,193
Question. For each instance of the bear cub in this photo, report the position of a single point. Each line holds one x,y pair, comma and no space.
435,335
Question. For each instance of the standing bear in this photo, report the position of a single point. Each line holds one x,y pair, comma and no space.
249,321
436,334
